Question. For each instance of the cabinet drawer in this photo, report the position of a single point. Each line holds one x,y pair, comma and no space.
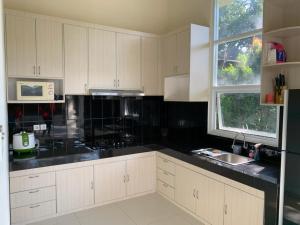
166,165
30,182
166,177
32,197
165,189
33,212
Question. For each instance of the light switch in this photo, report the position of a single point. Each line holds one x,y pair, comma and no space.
43,126
36,127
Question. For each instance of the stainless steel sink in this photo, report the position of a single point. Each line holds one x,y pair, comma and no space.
232,159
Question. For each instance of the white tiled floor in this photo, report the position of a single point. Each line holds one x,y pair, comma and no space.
147,210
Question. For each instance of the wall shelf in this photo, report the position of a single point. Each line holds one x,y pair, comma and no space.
285,32
281,64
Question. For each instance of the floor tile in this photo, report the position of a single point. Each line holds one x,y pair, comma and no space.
105,215
70,219
147,209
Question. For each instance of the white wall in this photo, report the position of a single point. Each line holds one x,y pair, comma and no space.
154,16
4,192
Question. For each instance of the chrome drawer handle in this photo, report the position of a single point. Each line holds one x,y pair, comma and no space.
35,206
31,177
32,192
166,173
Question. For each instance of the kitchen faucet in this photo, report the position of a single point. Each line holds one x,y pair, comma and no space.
235,137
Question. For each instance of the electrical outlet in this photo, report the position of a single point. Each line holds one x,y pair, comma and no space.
36,127
43,126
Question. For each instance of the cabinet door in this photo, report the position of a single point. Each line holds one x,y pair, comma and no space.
210,200
109,182
242,208
74,189
102,59
20,46
183,52
185,187
170,55
129,61
141,175
150,74
49,40
76,59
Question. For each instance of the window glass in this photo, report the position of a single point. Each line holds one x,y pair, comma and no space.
239,62
242,112
238,16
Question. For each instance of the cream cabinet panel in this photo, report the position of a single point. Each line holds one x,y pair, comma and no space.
129,61
102,59
242,208
76,59
20,46
150,73
49,40
185,188
74,189
210,200
110,181
183,52
170,55
141,175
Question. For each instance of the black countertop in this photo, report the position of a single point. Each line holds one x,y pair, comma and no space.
259,175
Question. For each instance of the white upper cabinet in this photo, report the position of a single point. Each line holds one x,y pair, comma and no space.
102,59
34,47
128,61
75,189
150,65
183,52
20,46
76,59
49,41
170,55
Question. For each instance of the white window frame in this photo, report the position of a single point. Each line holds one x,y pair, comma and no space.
213,103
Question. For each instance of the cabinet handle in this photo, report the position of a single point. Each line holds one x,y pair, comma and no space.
166,173
115,83
39,70
225,209
34,70
165,161
35,206
165,185
197,194
92,185
124,179
194,193
32,192
118,83
32,177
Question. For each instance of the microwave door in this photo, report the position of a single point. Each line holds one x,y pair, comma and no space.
32,90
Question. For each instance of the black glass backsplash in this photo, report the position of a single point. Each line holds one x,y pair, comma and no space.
118,121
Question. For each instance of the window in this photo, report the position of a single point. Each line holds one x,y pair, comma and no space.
235,100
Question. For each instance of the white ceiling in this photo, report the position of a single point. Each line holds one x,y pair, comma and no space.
154,16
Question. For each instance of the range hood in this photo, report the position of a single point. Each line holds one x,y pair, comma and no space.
122,93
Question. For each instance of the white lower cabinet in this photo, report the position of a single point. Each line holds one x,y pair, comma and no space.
75,189
242,208
110,181
141,175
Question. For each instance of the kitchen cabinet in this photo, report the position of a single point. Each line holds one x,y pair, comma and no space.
183,52
49,42
76,59
200,195
20,46
150,65
34,47
110,181
75,189
102,59
170,55
128,61
242,208
140,175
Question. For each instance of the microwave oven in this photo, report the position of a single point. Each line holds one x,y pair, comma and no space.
35,91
